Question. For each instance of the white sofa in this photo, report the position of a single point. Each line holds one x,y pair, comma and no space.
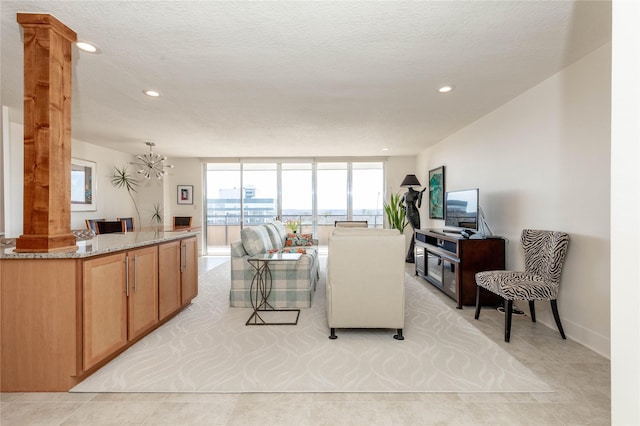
293,282
365,279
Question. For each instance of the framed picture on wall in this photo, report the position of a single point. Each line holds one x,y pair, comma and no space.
185,194
83,185
436,193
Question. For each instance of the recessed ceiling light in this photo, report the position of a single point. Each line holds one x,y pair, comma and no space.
152,93
87,47
446,89
385,149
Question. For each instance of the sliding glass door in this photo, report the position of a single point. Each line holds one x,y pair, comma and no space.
367,193
223,204
260,187
315,194
297,194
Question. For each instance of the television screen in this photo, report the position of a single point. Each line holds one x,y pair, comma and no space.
461,209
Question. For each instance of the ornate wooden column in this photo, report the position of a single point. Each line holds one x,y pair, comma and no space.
47,135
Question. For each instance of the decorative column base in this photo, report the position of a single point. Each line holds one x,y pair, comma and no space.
46,243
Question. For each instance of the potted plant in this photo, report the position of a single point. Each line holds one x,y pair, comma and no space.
156,214
396,213
122,179
293,225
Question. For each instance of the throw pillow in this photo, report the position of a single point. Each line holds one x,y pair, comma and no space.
299,240
289,250
274,235
255,239
281,230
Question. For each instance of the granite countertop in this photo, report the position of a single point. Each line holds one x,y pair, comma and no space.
101,244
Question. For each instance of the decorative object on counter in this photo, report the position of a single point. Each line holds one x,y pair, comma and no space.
412,200
151,164
83,234
436,193
185,194
396,213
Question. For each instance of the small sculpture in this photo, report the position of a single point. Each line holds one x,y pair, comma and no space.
412,200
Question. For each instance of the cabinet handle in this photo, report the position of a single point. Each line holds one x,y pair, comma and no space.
183,258
126,269
135,273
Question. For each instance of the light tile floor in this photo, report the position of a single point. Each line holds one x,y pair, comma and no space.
581,377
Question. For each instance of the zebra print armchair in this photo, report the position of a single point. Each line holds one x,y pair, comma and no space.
544,254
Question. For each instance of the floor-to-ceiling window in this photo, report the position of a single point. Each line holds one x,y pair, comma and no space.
332,196
367,192
316,194
260,187
223,191
297,194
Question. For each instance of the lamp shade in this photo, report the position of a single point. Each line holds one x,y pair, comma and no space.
410,180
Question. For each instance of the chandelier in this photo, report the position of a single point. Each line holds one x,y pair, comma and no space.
151,164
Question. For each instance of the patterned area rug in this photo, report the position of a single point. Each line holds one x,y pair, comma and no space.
208,348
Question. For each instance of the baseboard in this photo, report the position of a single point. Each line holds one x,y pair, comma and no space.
587,338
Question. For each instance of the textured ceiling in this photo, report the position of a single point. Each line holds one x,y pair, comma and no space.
298,78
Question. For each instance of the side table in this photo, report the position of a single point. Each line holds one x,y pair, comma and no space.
261,287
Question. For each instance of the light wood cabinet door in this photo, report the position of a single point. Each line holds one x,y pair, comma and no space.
189,269
169,279
104,319
143,290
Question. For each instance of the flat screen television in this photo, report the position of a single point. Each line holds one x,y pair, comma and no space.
461,209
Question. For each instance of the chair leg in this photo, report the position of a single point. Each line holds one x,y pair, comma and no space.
507,320
333,334
478,302
532,309
556,316
399,336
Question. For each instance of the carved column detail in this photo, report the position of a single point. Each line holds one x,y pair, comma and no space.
47,135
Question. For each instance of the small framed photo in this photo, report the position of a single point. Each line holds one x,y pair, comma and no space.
185,194
436,193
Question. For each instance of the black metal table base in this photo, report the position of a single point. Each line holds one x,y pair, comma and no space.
256,318
260,291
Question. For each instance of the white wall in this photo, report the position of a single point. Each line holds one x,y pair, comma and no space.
14,177
4,136
542,161
625,227
186,171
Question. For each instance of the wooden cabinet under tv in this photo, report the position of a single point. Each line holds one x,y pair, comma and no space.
450,262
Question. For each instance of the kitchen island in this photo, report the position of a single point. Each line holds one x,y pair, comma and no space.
66,314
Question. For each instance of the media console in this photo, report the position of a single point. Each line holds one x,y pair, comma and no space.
449,262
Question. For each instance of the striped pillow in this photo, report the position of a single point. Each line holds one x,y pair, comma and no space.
255,239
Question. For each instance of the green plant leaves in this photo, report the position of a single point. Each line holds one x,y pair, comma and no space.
121,179
396,213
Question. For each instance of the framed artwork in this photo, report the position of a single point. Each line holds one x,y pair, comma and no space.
436,193
83,185
185,194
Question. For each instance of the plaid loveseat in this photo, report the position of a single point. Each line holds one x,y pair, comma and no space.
293,282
